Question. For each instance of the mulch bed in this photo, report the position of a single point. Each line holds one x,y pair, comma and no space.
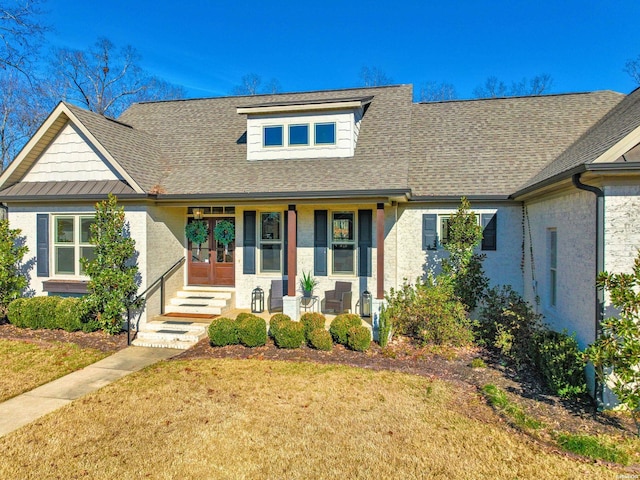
451,365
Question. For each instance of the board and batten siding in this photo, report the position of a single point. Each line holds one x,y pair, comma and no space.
70,157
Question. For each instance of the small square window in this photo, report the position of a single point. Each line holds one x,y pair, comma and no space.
298,134
273,136
325,133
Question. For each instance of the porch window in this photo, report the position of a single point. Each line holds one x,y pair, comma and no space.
343,243
71,242
270,241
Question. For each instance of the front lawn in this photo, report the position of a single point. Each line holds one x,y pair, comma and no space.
26,365
261,419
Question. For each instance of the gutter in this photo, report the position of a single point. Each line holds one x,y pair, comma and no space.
599,264
336,194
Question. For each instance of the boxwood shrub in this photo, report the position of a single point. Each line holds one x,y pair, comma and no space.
359,338
222,331
320,339
52,312
312,321
340,326
252,331
275,321
289,334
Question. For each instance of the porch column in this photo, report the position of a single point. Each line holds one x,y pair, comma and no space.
380,250
292,264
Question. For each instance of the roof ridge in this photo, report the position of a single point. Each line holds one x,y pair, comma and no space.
545,95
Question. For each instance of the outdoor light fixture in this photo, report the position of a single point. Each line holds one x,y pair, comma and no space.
198,213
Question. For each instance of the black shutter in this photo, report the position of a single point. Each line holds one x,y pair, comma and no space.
249,242
429,231
365,242
489,231
320,243
42,245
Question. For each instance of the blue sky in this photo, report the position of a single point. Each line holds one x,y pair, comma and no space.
207,46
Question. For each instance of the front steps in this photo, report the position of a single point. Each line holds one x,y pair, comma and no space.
191,311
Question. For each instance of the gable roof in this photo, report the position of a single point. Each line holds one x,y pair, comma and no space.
490,147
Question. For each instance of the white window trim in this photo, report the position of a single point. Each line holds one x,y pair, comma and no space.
332,273
77,244
260,242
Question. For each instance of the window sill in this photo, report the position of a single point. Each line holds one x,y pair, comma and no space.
65,286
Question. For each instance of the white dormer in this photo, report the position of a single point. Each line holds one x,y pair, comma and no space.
312,129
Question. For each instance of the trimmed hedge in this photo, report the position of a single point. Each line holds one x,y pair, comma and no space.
252,331
359,338
341,324
312,321
320,339
50,312
222,331
289,334
275,322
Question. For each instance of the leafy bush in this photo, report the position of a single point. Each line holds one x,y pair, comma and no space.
430,313
289,334
252,331
320,339
312,321
50,312
340,326
275,321
359,338
508,324
242,315
222,331
559,361
12,276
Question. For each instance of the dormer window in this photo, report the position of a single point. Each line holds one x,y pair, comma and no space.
273,136
299,134
325,133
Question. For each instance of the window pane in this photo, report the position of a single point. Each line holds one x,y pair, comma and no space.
343,258
273,136
64,230
270,257
554,288
270,226
553,248
65,260
444,230
85,229
89,253
298,134
342,227
325,133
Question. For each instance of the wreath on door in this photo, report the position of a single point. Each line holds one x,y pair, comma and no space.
197,232
224,233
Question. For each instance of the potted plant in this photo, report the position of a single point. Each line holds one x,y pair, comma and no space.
307,284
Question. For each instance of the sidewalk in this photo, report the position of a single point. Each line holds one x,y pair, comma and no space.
25,408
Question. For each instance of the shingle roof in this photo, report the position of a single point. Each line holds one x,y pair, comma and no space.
202,143
57,190
491,147
609,130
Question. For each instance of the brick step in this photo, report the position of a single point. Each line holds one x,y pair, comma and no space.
170,335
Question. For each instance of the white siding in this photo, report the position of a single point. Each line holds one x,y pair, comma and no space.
70,157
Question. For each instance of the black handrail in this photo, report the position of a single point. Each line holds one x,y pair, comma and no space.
161,280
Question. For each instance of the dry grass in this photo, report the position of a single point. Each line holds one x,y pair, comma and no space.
26,365
254,419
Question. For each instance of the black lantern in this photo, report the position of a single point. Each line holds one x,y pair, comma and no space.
257,300
365,304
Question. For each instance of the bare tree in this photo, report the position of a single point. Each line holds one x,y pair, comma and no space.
493,87
105,80
250,85
437,92
21,34
632,67
374,77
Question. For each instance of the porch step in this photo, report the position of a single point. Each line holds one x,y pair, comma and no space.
197,300
170,334
198,309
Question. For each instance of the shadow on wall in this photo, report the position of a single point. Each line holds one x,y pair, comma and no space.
25,269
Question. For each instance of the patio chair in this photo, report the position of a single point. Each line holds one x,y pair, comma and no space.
276,292
338,299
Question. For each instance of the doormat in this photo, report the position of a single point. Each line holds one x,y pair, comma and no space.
189,315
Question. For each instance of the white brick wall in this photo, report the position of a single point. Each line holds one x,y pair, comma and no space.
621,227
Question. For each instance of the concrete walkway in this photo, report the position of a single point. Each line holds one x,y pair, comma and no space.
25,408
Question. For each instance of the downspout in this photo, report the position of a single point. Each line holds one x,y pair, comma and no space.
599,264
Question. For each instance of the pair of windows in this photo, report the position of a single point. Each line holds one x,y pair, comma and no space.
435,230
71,235
298,135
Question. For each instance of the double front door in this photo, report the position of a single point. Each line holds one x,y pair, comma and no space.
211,262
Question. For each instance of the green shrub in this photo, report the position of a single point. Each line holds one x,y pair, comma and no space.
359,338
69,314
275,321
222,331
385,327
508,324
559,361
340,326
312,321
320,339
289,334
252,331
13,279
16,313
429,312
241,316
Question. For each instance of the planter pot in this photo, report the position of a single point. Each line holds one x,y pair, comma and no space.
306,293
